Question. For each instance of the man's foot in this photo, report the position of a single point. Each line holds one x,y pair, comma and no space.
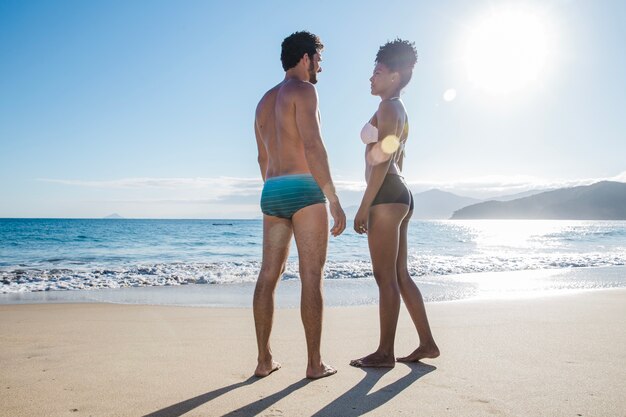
320,372
426,351
375,360
264,369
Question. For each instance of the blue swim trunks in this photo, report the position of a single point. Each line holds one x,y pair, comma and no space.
283,196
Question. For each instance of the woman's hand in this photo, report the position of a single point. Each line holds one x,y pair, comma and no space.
360,220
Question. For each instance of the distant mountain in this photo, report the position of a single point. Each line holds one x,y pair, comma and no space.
113,216
350,212
510,197
437,204
431,204
604,200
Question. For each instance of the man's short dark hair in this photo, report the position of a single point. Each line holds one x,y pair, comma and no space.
399,56
296,45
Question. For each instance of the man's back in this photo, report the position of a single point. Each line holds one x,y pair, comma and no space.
277,126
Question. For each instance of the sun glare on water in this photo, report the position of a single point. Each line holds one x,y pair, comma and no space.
506,50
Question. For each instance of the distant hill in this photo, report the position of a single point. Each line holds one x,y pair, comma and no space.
604,200
437,204
431,204
113,216
350,212
510,197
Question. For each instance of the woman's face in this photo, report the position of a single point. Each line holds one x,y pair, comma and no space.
382,79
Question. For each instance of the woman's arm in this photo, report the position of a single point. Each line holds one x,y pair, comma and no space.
388,118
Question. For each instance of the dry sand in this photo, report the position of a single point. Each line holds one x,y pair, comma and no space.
550,356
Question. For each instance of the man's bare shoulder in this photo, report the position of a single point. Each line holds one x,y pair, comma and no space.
268,99
297,89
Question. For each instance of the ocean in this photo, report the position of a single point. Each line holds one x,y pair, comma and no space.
123,260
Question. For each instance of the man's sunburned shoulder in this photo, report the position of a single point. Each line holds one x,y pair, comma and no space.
298,85
271,93
268,97
298,89
293,90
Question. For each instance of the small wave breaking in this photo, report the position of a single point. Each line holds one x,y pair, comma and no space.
34,279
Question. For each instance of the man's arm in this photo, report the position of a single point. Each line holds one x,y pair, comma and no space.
309,129
307,122
262,152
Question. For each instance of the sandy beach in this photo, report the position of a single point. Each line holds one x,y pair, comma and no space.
547,356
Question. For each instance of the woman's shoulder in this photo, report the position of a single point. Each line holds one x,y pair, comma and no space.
390,109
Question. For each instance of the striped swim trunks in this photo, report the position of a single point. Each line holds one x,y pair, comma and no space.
283,196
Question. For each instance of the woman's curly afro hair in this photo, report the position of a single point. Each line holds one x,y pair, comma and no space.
399,56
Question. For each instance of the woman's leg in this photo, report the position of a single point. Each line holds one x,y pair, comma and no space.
414,302
383,238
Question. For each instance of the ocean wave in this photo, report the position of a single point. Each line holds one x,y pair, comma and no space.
31,279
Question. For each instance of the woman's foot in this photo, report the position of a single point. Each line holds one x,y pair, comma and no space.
429,351
375,360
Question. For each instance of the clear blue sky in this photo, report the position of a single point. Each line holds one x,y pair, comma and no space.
145,108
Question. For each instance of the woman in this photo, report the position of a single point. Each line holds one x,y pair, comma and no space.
387,207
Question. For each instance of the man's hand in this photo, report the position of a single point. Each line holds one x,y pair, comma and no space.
339,218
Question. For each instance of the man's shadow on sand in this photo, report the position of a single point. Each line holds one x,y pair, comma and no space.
354,402
251,409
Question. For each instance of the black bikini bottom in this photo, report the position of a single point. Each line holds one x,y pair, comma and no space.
394,190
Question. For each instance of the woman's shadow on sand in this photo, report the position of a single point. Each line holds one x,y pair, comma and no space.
358,400
355,402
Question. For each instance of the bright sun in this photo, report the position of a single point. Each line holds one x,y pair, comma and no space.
506,51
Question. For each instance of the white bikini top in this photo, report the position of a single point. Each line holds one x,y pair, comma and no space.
369,134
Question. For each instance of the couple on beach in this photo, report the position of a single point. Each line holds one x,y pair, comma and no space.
297,184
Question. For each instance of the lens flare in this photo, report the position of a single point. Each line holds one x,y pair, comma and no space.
383,150
449,94
390,144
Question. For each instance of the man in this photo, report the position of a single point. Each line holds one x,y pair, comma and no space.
294,167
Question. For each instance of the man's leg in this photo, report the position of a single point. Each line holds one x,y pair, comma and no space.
310,226
276,239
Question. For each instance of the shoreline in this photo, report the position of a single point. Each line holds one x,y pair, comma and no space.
552,356
347,292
